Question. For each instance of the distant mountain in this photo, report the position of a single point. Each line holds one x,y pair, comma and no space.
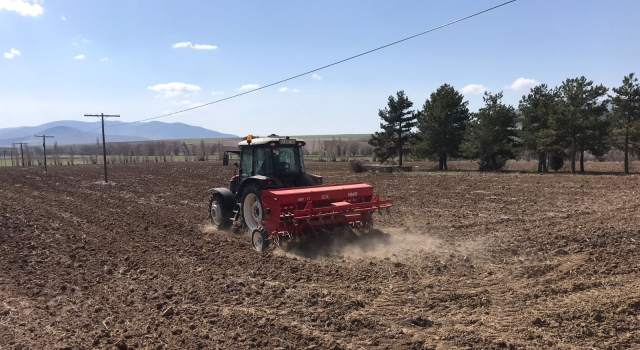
116,132
163,131
66,134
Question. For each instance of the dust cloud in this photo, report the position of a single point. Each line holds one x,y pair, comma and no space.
390,243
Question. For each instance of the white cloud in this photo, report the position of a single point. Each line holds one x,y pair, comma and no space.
214,93
166,111
79,57
286,89
11,54
104,59
22,7
185,102
473,89
196,105
64,18
203,47
249,87
522,84
174,89
316,77
179,45
194,46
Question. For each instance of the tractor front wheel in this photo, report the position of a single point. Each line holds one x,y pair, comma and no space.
219,214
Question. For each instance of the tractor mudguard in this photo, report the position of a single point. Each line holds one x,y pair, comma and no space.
228,196
309,180
262,181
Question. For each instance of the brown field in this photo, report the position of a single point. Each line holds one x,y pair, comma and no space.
467,261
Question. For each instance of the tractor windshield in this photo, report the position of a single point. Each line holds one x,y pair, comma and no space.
279,161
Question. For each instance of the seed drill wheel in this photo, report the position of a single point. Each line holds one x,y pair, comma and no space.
219,214
252,213
259,240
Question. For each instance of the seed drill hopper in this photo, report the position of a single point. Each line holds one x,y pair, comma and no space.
276,200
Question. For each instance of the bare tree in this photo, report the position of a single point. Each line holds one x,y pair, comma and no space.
162,150
202,152
139,151
186,151
146,152
366,150
37,155
321,149
72,155
175,145
193,151
56,154
170,151
27,155
15,156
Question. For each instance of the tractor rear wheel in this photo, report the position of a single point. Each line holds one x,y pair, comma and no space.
219,214
252,213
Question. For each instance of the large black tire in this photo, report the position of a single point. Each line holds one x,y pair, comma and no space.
219,213
251,209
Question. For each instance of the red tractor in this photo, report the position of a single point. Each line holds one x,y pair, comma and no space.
276,200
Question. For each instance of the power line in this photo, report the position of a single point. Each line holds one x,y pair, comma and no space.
316,69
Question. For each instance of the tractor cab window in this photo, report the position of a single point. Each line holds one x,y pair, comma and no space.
287,160
262,161
246,166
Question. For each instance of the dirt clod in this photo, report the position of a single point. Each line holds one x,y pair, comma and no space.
168,312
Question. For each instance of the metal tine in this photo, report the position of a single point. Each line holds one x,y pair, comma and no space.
382,216
313,230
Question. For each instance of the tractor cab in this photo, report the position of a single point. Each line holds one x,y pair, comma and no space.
271,156
272,162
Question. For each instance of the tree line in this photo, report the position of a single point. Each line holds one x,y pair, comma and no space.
122,152
555,124
164,151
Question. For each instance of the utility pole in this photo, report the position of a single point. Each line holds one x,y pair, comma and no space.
104,146
21,152
44,146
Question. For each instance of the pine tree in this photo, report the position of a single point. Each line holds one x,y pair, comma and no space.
537,109
441,125
491,135
397,125
580,124
626,116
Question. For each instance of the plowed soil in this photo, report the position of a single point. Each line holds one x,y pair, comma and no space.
466,261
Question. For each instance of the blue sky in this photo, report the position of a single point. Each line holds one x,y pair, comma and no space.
61,59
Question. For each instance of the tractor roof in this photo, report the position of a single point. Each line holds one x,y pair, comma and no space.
280,140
